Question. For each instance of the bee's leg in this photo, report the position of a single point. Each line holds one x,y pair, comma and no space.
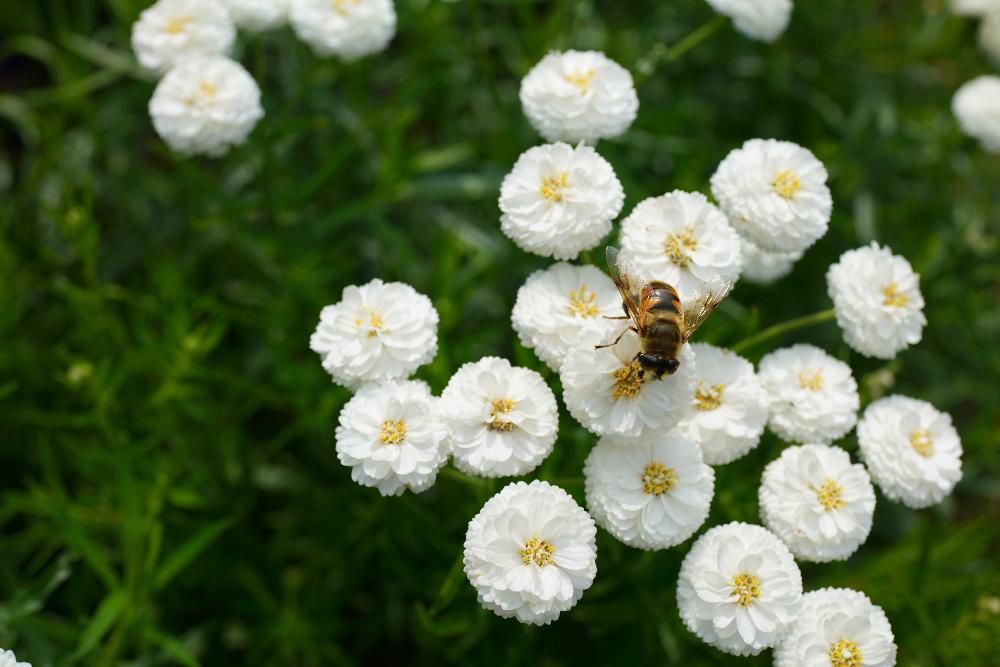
619,317
615,341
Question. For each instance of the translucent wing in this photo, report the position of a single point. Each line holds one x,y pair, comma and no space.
629,283
704,300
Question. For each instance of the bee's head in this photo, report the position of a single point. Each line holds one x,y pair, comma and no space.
658,366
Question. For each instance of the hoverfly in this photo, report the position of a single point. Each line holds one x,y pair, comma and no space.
657,315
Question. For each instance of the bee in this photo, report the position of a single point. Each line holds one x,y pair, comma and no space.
657,315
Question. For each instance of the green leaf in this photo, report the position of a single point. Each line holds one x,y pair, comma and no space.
109,611
188,552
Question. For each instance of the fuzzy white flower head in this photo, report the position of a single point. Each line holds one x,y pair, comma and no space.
975,7
605,391
172,31
558,200
563,308
681,239
206,105
775,194
762,267
818,502
531,552
8,659
976,105
503,419
392,438
911,449
729,410
258,14
579,96
837,627
812,397
652,492
347,29
378,331
877,299
762,20
739,588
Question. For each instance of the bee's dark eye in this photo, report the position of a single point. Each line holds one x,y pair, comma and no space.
672,365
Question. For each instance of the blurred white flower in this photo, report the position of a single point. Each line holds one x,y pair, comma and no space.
911,449
762,267
172,31
818,502
762,20
378,331
206,105
502,419
563,308
603,390
8,659
558,200
989,35
729,410
257,14
681,239
976,105
530,553
579,96
347,29
651,492
837,627
739,589
812,397
775,194
975,7
877,299
392,438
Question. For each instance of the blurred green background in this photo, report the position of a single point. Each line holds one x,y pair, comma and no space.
170,492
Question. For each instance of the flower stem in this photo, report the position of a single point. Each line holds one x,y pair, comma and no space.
783,328
661,54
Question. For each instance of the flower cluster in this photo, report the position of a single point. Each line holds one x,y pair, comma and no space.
8,659
347,29
763,20
976,105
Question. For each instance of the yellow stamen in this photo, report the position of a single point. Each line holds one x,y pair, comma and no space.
552,187
657,479
678,246
583,302
177,24
628,381
708,398
811,380
746,587
829,495
893,298
501,406
339,5
393,432
582,81
786,184
922,443
538,552
844,653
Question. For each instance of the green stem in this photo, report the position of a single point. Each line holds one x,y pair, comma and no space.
783,328
661,54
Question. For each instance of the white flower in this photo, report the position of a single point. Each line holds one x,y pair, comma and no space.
378,331
392,438
837,627
206,105
348,29
652,492
603,390
876,296
503,419
681,239
172,31
975,7
579,96
257,14
563,308
976,105
817,502
8,659
775,194
989,35
558,200
812,397
762,267
729,410
530,553
911,449
739,588
763,20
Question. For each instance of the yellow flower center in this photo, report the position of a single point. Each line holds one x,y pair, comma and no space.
708,398
499,407
893,298
829,495
177,24
583,302
628,381
581,81
552,187
207,89
746,588
786,184
844,653
339,6
537,551
393,432
811,380
657,479
922,443
679,246
374,321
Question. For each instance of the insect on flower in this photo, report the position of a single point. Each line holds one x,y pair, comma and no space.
657,315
